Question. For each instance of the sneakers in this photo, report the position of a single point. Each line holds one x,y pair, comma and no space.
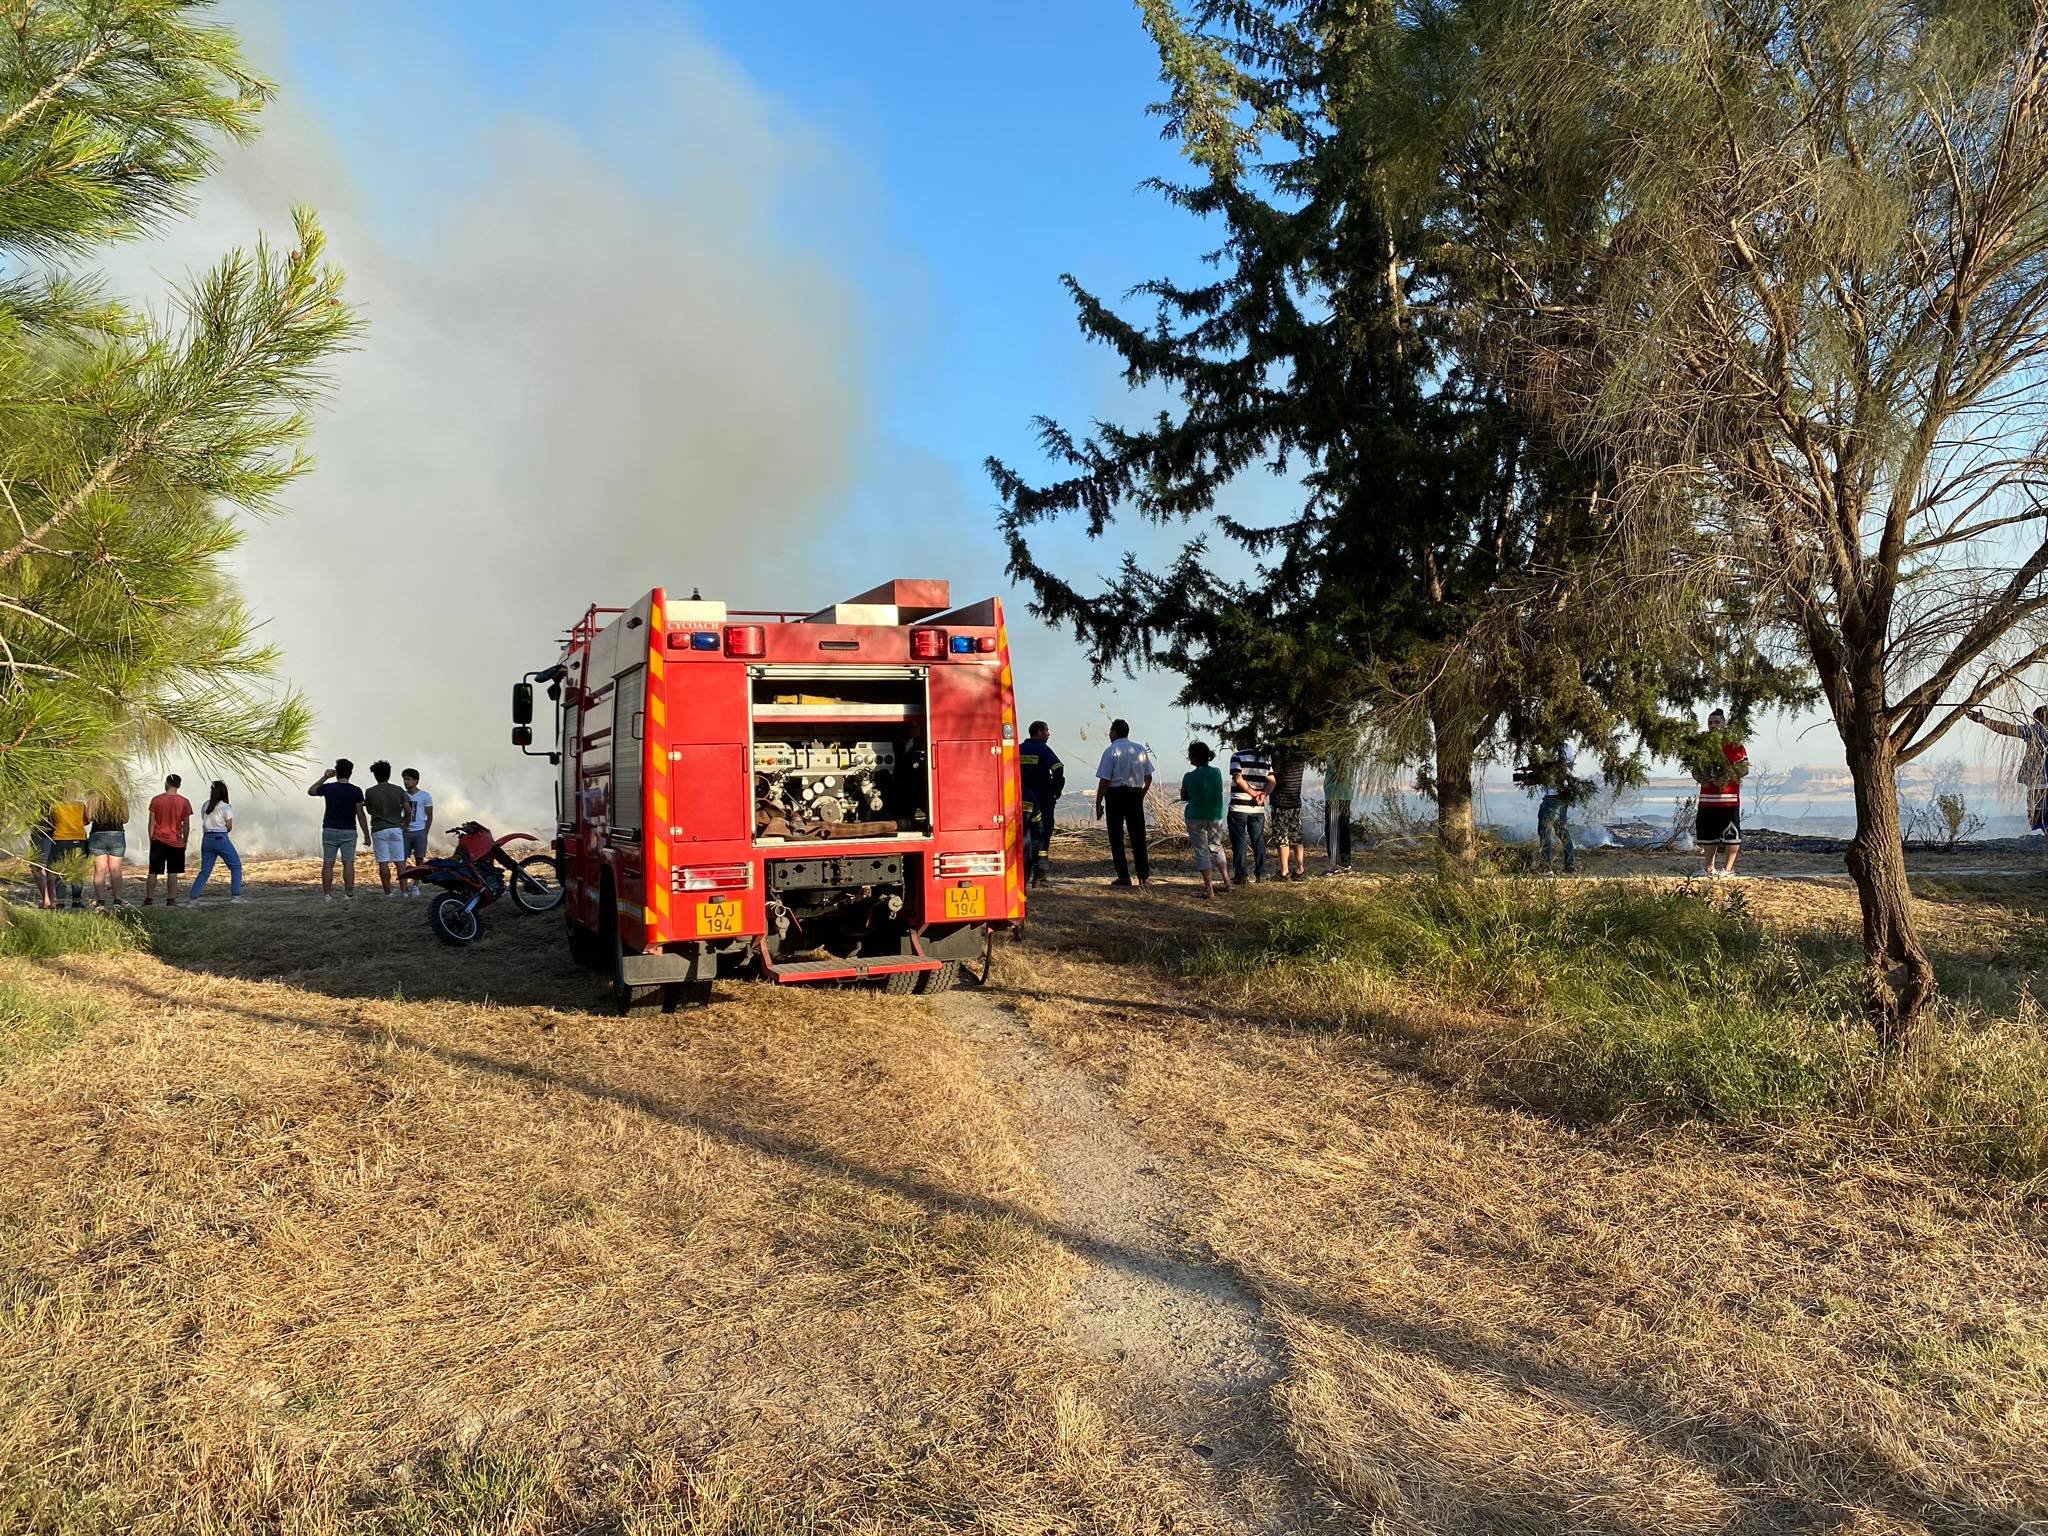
327,895
234,901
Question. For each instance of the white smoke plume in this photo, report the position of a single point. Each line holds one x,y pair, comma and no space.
596,361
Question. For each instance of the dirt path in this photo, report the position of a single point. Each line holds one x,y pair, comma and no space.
1185,1338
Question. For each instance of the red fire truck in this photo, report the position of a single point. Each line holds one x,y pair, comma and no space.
807,797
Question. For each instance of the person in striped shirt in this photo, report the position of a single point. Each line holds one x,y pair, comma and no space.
1251,784
1723,761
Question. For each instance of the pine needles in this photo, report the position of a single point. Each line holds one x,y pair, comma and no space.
129,444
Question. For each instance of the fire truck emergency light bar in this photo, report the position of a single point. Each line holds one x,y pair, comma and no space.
931,644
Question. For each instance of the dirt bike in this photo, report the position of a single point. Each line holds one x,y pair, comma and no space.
480,872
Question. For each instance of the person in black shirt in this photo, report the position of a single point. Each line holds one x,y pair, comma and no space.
1284,808
1045,780
338,826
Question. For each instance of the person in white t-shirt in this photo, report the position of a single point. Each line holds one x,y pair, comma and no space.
416,830
1121,780
215,845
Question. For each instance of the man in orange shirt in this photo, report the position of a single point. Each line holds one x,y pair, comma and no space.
170,829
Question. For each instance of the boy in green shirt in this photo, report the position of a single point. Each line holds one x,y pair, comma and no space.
1202,788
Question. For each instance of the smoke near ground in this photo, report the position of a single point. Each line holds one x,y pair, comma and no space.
593,364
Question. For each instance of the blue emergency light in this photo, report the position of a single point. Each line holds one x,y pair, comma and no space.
963,645
703,639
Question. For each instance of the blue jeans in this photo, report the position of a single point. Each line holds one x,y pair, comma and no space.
216,845
1551,818
1247,829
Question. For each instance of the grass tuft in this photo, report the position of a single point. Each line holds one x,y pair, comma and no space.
34,1024
459,1495
29,933
1669,1002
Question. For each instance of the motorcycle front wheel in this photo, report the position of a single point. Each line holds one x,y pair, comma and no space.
537,884
453,920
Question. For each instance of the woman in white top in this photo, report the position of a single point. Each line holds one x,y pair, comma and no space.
216,822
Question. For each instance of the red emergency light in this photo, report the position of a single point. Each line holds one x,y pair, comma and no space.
745,640
927,644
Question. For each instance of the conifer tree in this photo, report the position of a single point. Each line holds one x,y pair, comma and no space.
1446,577
130,444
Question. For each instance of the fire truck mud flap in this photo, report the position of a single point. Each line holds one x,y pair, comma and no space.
685,962
964,941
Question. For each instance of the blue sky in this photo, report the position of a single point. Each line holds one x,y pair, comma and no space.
816,248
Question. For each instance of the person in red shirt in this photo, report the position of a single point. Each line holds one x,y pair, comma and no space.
1718,823
170,829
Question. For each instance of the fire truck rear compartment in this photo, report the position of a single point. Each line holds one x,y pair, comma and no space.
838,757
838,908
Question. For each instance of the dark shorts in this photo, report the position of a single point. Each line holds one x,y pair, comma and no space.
166,858
1286,826
1718,824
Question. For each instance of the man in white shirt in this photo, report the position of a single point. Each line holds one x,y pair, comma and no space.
416,830
1121,781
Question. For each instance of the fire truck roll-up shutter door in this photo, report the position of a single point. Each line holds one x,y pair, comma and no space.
968,784
629,728
712,792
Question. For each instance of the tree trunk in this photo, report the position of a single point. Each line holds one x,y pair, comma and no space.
1454,837
1898,977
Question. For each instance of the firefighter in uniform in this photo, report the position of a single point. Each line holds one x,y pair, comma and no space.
1045,778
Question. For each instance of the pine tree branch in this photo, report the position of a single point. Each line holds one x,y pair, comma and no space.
61,83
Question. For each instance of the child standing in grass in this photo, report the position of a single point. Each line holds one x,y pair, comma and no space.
1201,787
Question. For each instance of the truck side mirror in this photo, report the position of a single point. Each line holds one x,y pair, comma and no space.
522,704
522,735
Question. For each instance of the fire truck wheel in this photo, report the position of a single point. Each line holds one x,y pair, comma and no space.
901,982
585,947
695,993
453,921
624,998
944,979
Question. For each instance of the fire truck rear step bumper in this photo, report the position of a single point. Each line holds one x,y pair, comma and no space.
790,972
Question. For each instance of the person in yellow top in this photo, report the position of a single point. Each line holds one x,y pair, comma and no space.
63,843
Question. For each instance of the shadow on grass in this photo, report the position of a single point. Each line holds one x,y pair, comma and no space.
1740,1452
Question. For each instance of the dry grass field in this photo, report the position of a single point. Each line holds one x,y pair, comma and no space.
309,1224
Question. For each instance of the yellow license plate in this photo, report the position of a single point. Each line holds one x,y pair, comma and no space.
715,919
966,901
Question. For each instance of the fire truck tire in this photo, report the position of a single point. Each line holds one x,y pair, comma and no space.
453,920
902,982
585,947
944,979
624,998
695,993
540,889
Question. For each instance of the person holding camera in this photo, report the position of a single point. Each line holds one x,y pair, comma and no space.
339,823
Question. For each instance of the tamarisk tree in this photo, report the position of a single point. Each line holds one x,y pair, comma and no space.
129,443
1818,320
